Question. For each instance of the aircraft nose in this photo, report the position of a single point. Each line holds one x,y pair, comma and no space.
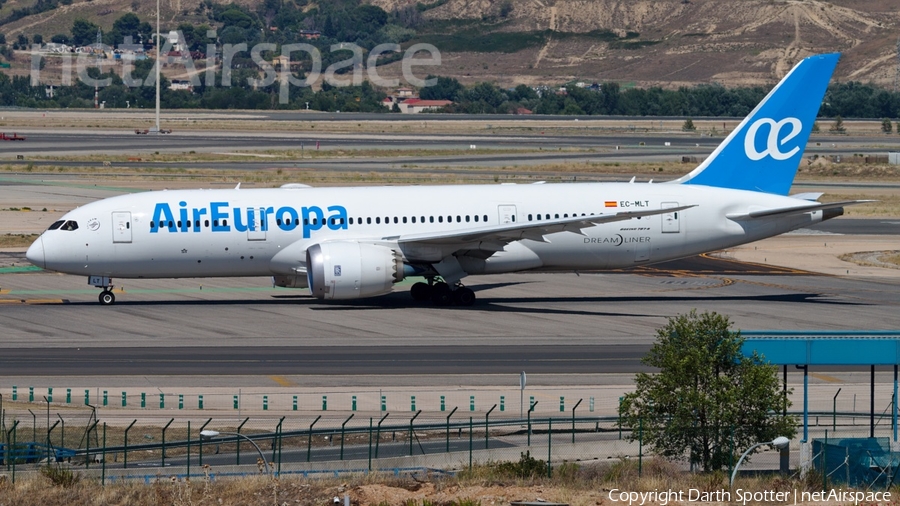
35,253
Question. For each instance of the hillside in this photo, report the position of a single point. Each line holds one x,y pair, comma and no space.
647,42
739,42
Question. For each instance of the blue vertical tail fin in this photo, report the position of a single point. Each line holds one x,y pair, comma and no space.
762,154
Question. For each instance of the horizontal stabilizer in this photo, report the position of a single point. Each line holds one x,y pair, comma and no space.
784,211
812,196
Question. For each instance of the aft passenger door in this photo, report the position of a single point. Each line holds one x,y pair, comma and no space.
507,214
121,227
671,223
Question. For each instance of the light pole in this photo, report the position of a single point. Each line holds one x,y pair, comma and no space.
158,65
207,435
779,442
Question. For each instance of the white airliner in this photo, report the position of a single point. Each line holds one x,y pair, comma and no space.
349,243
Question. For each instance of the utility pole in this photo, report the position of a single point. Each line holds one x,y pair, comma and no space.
158,64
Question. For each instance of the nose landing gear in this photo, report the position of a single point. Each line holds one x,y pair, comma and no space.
107,298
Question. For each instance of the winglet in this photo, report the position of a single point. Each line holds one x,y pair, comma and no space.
762,154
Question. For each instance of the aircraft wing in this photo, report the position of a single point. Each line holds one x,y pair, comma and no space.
784,211
499,235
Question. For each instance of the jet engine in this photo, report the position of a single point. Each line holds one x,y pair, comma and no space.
351,270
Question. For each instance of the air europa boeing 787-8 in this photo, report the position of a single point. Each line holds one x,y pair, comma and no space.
349,243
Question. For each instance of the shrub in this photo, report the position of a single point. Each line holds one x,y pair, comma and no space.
526,467
60,476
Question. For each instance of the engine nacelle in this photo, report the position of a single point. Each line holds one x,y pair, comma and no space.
290,281
350,270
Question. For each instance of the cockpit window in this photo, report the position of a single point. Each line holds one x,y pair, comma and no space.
69,225
56,225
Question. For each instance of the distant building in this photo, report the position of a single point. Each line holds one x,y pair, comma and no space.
310,34
177,85
417,105
522,110
405,93
283,62
53,47
175,40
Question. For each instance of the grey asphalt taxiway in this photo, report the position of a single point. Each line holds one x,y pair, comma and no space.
561,323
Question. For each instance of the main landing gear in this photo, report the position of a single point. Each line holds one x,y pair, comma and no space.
441,294
107,297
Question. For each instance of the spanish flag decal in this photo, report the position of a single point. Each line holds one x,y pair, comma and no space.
611,203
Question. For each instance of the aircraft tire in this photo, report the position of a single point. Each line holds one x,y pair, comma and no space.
464,296
420,291
441,295
107,298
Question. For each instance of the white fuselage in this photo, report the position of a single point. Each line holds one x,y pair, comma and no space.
256,232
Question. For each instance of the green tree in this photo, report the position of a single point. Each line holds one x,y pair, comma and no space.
84,33
445,88
708,400
886,125
688,125
838,125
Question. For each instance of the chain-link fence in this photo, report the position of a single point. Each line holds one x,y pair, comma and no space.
305,445
131,434
319,445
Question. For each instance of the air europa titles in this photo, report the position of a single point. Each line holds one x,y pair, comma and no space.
218,215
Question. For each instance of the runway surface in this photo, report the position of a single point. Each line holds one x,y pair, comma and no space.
43,143
322,360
